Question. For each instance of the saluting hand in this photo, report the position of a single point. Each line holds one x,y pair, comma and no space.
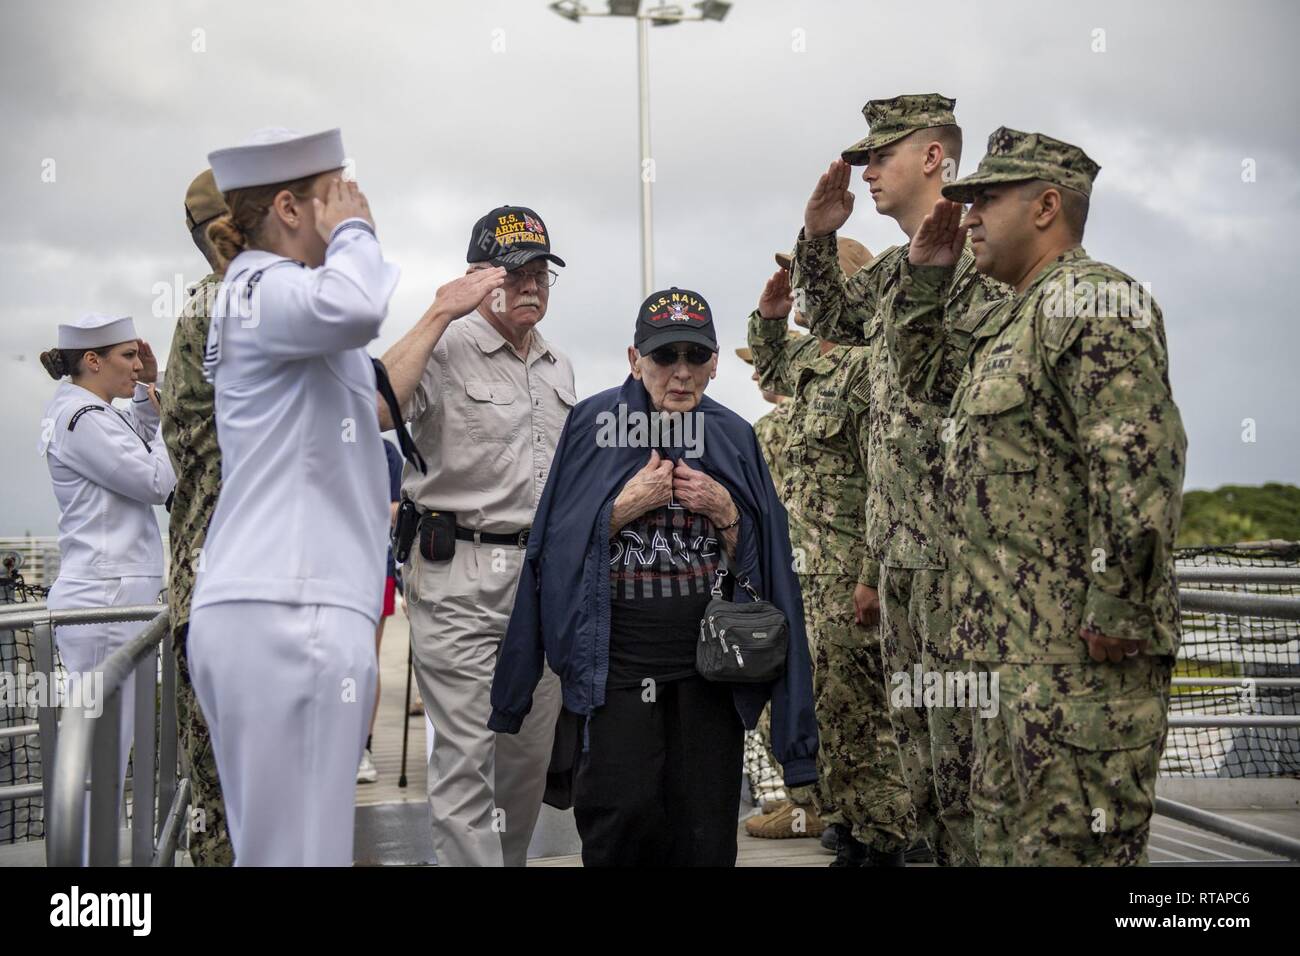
940,238
343,200
831,202
777,299
149,373
462,295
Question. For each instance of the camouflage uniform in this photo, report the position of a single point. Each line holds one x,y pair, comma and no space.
772,432
189,428
825,489
905,458
1063,483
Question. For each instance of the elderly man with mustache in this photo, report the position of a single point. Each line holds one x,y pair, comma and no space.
486,414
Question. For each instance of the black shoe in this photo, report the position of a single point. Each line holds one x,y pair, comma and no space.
853,853
883,858
850,852
919,852
831,836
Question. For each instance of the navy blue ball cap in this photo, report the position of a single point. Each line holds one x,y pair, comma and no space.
674,315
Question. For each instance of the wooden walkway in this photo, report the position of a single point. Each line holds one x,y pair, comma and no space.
386,741
1172,843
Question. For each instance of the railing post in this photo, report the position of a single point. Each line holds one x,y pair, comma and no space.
106,782
142,786
168,752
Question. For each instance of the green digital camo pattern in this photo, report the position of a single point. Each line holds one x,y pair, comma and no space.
825,478
904,435
904,441
772,432
1064,478
860,781
1065,774
209,838
1014,156
935,744
189,428
1065,471
802,796
892,119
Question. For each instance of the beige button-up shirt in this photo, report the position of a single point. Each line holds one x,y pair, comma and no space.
487,422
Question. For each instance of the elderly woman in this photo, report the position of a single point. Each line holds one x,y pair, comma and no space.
635,522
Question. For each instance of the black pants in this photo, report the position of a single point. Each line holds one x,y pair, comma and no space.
659,784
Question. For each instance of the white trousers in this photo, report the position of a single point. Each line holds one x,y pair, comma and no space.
485,789
84,647
287,691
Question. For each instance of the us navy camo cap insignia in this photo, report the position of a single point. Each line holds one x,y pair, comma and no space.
1014,157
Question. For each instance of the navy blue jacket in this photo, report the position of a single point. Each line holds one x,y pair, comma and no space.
562,607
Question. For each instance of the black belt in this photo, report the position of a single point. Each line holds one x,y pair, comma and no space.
518,538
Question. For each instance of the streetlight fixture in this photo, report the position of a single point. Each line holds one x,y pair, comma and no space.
664,15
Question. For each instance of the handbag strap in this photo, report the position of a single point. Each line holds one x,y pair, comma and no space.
743,582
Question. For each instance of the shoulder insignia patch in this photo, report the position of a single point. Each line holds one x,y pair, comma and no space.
72,422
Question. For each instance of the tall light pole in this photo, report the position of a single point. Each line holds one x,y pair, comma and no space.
661,16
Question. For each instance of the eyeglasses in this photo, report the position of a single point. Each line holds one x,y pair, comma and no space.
666,355
545,278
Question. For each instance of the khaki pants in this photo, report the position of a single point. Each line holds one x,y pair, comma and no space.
485,789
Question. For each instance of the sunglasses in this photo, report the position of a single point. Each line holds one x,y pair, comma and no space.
666,355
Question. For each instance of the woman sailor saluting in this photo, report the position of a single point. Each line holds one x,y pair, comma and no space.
109,467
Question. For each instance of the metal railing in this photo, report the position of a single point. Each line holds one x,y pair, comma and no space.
1236,604
88,740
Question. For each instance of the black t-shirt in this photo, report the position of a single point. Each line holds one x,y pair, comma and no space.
661,570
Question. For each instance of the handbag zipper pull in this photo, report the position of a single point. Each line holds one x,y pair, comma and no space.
740,661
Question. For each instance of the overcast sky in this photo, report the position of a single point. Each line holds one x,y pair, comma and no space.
452,108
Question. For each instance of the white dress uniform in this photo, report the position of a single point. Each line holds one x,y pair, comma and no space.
290,583
109,467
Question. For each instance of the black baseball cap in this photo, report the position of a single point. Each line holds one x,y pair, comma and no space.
510,236
674,315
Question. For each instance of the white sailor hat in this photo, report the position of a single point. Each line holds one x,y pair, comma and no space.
276,155
95,331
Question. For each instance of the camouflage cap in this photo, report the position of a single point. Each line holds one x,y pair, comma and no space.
891,120
852,254
747,356
203,201
1014,157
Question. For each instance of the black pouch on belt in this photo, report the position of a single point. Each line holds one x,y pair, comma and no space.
408,518
438,535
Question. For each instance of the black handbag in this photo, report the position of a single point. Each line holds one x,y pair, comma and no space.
741,643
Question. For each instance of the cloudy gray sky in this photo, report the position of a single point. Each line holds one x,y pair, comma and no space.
451,108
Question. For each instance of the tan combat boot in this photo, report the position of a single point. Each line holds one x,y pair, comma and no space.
785,821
